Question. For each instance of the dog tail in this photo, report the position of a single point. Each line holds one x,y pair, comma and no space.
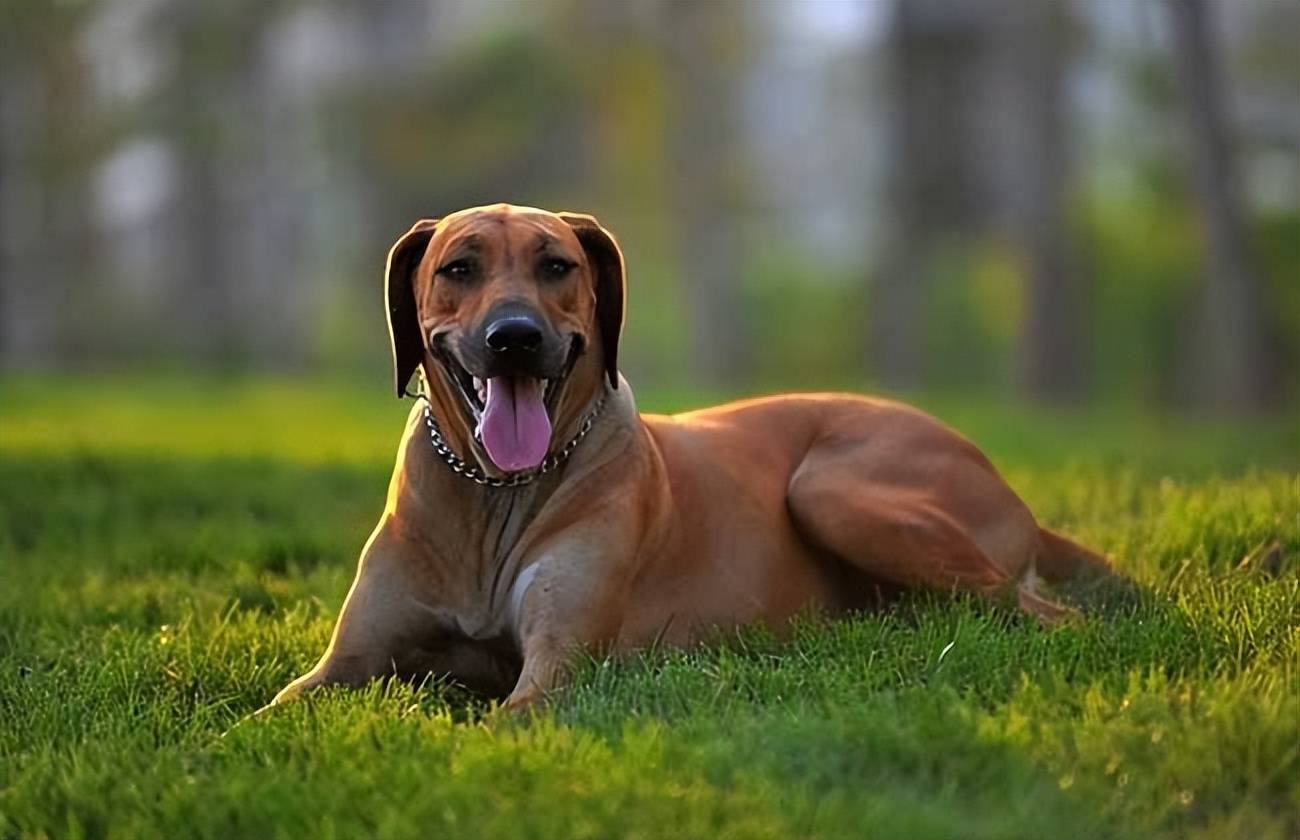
1062,560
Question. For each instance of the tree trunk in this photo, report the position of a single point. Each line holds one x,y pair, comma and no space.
936,55
1233,366
704,47
1051,350
48,240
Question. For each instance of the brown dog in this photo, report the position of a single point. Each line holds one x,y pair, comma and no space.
533,512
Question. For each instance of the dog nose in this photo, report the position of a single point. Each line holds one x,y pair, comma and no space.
506,335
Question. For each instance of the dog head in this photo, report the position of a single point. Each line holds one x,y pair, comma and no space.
506,308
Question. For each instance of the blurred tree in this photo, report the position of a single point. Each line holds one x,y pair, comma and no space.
217,183
626,97
228,308
46,143
979,146
1050,358
933,185
455,123
704,42
1233,343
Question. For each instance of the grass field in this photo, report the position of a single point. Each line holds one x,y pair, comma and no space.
173,552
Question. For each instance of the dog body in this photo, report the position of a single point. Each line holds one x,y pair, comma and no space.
641,529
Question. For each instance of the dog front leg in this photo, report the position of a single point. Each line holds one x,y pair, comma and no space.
573,605
544,669
375,628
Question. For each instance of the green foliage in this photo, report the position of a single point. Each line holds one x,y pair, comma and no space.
1277,241
810,320
1144,259
173,552
973,316
434,142
1145,255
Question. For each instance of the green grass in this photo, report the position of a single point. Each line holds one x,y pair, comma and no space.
172,552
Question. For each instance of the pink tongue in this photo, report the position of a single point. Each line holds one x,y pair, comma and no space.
515,429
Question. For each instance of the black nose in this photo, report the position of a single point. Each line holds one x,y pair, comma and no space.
506,335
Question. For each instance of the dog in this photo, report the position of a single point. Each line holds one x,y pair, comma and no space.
533,513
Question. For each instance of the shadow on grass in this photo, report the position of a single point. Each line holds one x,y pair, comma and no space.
923,640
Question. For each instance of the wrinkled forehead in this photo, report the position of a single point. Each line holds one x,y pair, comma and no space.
503,230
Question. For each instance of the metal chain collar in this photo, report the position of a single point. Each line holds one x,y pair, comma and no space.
462,467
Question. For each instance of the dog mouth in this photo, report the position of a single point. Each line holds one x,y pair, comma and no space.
511,414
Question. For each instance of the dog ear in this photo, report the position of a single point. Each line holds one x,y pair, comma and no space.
606,260
399,300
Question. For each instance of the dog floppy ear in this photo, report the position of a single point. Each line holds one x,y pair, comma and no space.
399,300
606,260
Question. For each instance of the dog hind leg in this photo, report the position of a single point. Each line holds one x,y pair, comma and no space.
1063,560
904,536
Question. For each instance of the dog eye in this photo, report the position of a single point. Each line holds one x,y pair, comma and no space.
458,269
556,267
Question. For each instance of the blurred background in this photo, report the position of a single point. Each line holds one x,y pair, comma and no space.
1083,201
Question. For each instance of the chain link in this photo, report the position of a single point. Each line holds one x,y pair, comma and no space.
461,467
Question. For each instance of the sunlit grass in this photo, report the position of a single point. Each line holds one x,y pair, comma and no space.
287,419
171,553
354,421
